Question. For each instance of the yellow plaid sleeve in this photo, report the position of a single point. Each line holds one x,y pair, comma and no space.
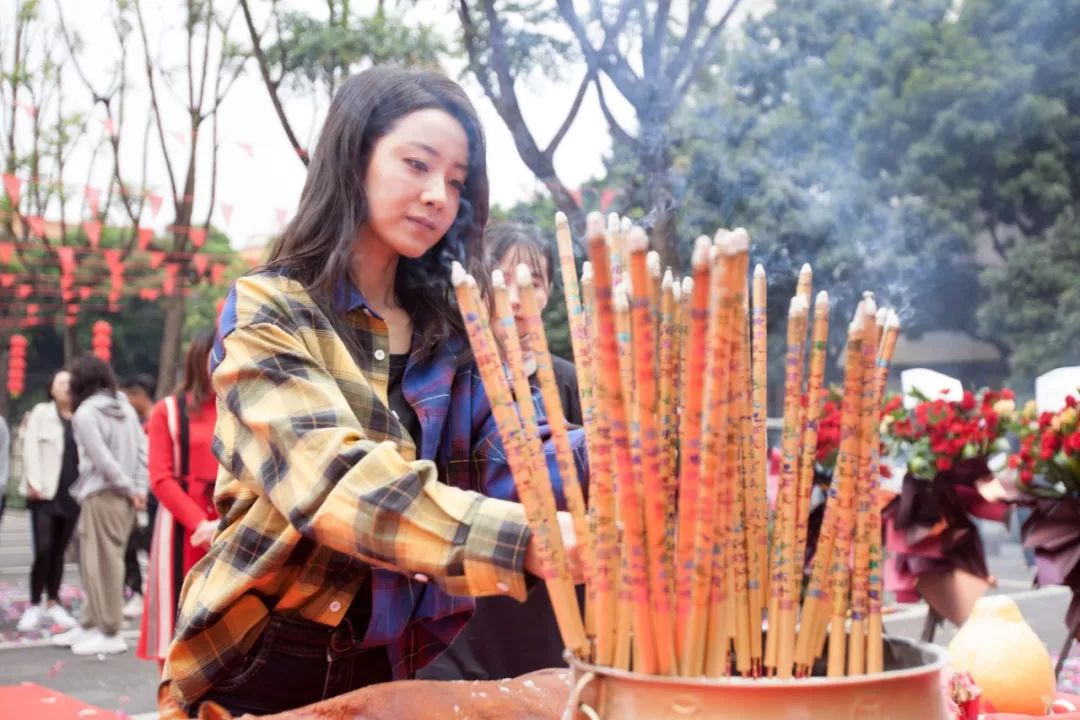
289,430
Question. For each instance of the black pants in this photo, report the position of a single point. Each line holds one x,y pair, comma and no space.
295,663
51,536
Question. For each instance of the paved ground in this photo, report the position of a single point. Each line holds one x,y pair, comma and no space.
123,682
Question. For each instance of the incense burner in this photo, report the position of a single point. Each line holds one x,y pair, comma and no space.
909,688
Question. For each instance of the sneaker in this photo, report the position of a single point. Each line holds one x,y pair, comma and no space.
59,616
72,636
31,619
133,608
97,643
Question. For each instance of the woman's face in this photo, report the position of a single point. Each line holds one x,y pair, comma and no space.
508,263
414,183
61,388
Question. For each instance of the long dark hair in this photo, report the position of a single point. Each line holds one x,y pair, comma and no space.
500,239
197,370
316,246
89,374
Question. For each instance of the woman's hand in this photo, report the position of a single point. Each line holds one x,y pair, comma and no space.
138,500
533,563
203,534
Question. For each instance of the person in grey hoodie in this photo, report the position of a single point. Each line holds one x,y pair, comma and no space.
112,486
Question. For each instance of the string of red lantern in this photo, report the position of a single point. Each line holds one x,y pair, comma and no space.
16,375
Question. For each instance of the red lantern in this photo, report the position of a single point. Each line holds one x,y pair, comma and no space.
101,340
16,377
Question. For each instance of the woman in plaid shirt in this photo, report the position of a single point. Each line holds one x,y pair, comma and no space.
360,465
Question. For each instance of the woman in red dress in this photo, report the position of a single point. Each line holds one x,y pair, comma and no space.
182,474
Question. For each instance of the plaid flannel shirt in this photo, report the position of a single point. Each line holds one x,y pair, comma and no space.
319,486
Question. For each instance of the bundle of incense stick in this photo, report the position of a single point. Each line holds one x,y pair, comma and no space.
688,569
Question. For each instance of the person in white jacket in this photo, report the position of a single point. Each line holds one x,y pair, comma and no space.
50,466
112,485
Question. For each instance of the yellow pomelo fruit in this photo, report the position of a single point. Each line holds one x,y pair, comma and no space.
1005,658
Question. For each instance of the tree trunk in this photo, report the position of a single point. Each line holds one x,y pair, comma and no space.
654,160
71,343
171,340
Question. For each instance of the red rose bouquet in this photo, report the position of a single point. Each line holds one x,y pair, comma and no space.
1048,463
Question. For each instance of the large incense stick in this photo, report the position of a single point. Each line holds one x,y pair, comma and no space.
542,522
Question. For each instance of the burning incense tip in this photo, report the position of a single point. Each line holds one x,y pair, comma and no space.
869,307
594,224
560,219
498,279
720,238
701,252
759,271
893,321
586,271
822,300
798,306
668,281
740,238
523,275
457,274
652,263
639,241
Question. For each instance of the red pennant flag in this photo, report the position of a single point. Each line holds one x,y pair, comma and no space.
32,309
84,292
246,147
107,123
155,203
226,210
30,110
145,236
12,186
156,258
280,214
112,257
93,197
168,284
24,291
37,225
66,255
92,228
200,262
7,251
217,273
606,198
7,279
198,236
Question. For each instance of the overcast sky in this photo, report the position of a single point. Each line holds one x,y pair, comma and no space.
262,185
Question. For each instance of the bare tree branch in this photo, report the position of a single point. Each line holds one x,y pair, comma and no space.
617,130
154,98
271,86
703,52
549,151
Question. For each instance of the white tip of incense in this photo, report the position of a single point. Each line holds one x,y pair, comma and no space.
638,239
700,255
498,280
622,297
561,219
626,224
882,316
652,263
868,295
798,306
893,320
457,274
759,271
523,275
676,293
869,307
822,300
687,286
720,238
714,253
586,271
613,222
855,328
740,239
806,270
668,281
594,224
